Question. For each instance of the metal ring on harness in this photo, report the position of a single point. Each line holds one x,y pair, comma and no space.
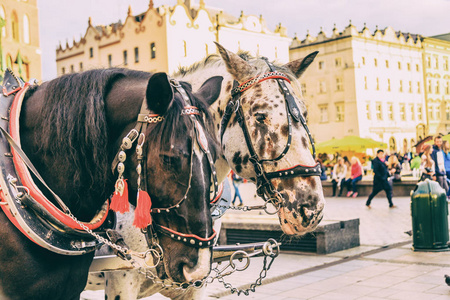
244,256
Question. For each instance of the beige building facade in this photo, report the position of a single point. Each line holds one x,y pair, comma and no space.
363,83
436,53
167,37
19,38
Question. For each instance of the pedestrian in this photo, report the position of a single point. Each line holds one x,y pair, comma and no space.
380,179
395,170
427,165
338,178
323,174
439,165
348,175
415,165
356,176
446,150
237,180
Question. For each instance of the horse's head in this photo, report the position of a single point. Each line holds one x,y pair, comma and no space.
265,138
177,168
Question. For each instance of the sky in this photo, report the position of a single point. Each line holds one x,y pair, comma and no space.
61,20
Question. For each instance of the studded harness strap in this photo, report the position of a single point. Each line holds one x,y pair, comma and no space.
264,185
145,118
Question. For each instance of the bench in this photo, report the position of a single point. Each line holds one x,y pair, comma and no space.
401,189
330,236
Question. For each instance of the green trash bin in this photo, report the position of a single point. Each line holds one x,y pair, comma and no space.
429,212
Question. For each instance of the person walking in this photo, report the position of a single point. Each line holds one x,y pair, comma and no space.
380,179
427,165
439,164
355,177
237,180
338,178
395,170
446,150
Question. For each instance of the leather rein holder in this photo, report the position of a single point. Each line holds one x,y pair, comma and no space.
144,119
263,183
22,201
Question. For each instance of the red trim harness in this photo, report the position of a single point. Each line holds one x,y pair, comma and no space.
27,180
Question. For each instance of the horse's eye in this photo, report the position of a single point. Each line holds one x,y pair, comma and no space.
171,161
260,117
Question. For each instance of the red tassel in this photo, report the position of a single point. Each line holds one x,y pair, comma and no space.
142,216
119,201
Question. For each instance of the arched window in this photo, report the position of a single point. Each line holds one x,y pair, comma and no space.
185,48
392,145
3,16
206,49
26,29
15,27
405,145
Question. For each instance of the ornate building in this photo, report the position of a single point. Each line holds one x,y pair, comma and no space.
369,84
437,80
164,38
19,38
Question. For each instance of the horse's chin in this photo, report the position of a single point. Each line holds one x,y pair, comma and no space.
291,224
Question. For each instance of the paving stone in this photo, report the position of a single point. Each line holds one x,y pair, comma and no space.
405,295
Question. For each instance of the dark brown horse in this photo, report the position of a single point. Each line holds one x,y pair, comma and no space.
71,128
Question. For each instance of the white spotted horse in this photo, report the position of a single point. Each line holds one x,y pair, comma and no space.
60,141
260,103
260,120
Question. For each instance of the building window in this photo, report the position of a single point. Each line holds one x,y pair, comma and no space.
438,112
339,86
418,87
338,62
321,64
419,112
185,48
446,64
339,112
410,86
2,15
26,29
430,89
125,57
81,67
399,65
322,87
323,113
387,63
447,111
363,59
15,27
437,87
430,112
136,55
408,66
378,110
152,51
378,84
303,88
63,70
368,114
428,62
375,62
390,112
436,63
72,69
401,86
389,85
110,60
402,112
91,52
365,82
417,67
207,51
447,88
412,111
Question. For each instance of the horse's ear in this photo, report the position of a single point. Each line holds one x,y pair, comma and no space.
210,89
159,93
299,66
236,66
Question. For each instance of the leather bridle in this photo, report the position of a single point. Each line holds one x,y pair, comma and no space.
144,119
265,188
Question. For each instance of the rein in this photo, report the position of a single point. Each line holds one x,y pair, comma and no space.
265,188
145,118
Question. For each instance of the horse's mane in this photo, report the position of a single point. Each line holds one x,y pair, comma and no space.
74,127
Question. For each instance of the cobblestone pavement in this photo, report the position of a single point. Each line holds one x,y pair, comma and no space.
383,267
